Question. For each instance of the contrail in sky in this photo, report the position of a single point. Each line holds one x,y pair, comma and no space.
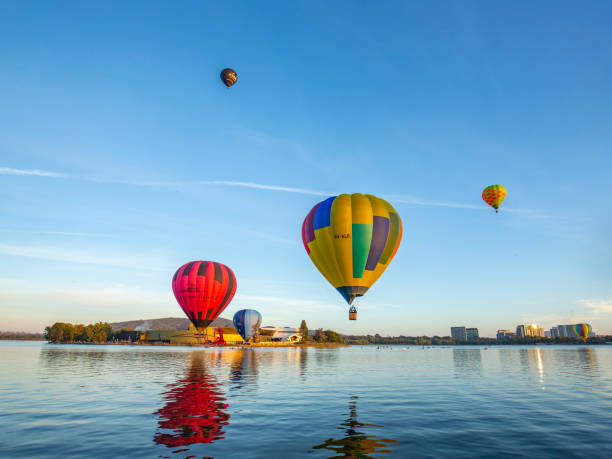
253,185
34,172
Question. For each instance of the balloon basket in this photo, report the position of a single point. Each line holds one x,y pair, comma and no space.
352,316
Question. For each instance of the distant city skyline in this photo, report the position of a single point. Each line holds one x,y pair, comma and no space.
123,156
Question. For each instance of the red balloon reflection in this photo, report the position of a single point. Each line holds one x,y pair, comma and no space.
194,409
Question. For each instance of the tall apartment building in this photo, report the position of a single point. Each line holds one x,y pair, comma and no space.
566,331
530,330
472,334
505,334
459,333
554,332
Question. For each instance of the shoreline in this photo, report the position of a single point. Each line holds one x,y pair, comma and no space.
229,346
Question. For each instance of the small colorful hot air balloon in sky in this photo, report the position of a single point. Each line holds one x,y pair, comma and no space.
351,239
583,331
247,322
203,289
494,195
229,77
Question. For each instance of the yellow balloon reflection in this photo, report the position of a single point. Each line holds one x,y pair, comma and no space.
356,444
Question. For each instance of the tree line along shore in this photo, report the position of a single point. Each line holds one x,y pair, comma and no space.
102,333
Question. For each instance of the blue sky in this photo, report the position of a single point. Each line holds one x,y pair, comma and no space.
122,156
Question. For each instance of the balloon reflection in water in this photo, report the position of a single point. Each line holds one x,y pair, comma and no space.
243,368
356,444
194,409
587,360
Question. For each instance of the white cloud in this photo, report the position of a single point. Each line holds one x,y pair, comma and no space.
134,260
280,304
27,307
35,172
598,306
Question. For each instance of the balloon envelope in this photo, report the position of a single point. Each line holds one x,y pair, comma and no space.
582,330
351,239
494,195
247,322
203,289
229,77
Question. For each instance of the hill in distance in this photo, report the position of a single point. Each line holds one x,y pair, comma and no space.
166,323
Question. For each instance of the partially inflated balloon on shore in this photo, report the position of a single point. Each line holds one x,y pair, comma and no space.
351,239
203,289
247,322
583,331
494,195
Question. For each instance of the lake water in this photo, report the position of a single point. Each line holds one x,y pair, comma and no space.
123,401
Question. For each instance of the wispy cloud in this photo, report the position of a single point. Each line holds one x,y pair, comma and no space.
598,306
24,306
134,261
49,233
423,202
266,187
282,304
411,200
34,172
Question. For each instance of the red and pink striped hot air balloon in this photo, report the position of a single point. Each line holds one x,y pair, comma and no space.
203,289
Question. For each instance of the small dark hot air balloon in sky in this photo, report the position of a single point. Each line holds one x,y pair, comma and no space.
229,77
203,289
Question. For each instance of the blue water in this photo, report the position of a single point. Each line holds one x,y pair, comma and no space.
121,401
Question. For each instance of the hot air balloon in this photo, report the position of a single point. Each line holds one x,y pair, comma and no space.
247,322
351,239
229,77
203,289
583,331
494,195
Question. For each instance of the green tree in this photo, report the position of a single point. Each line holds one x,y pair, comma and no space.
79,330
59,332
304,331
319,336
332,337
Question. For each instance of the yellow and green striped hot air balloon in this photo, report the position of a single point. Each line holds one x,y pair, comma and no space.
351,239
494,195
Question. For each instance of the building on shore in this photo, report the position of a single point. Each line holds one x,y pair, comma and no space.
554,332
472,334
281,334
503,335
567,331
529,330
459,333
210,335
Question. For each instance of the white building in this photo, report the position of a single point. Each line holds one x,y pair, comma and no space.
283,333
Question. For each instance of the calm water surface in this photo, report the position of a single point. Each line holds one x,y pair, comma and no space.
122,401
